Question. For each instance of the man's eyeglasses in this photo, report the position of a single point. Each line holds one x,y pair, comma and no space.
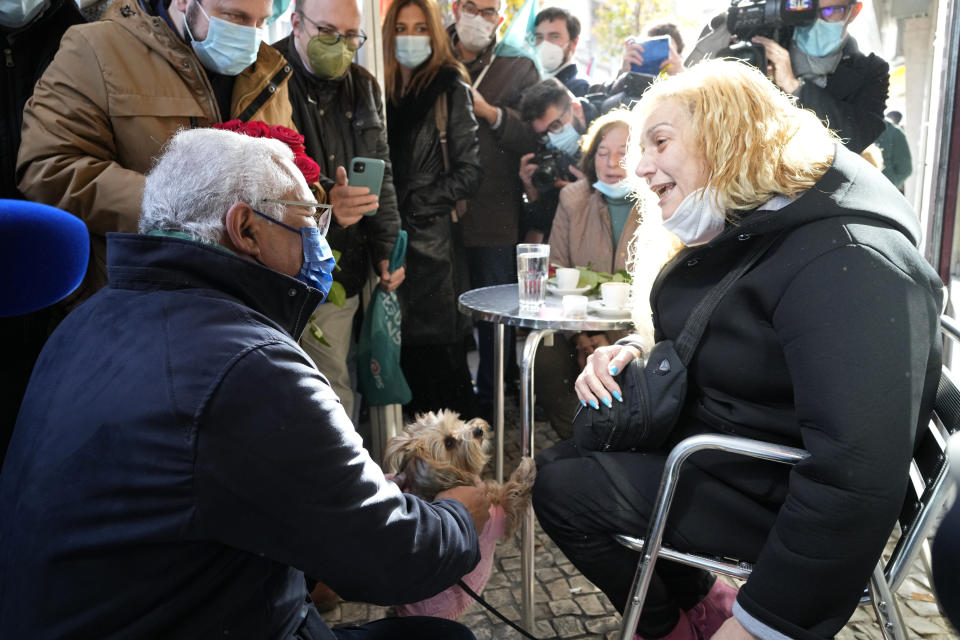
835,14
557,125
319,212
328,35
489,14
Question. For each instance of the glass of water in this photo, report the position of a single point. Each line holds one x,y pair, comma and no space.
532,265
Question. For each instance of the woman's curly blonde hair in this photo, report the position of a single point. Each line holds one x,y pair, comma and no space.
755,141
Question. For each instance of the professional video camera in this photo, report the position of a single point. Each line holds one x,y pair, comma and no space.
749,18
552,165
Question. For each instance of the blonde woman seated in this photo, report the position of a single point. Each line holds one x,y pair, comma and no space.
828,343
594,225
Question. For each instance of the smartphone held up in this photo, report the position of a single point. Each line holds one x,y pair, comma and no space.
367,172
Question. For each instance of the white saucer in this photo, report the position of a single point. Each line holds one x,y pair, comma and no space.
576,291
597,307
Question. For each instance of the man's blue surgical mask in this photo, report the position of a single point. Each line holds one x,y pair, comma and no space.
566,140
820,38
318,260
615,191
17,13
228,48
412,51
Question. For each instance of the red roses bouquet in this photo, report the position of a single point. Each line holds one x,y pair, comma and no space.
259,129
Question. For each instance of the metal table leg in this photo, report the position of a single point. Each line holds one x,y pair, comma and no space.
526,447
498,335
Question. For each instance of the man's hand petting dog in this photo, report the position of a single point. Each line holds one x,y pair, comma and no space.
475,499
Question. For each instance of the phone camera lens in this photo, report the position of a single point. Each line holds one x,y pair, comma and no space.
359,166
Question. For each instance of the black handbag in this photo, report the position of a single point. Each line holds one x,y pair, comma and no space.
654,391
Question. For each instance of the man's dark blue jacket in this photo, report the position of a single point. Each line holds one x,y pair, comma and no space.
179,462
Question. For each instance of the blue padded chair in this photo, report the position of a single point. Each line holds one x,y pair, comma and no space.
44,257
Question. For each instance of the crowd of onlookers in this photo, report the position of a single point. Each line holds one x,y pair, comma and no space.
185,453
483,145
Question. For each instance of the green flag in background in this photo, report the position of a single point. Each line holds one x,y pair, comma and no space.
518,37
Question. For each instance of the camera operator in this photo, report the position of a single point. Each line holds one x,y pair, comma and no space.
827,72
560,119
817,61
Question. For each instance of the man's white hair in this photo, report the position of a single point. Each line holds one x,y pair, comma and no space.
204,172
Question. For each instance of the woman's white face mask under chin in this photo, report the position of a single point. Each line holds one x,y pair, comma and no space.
697,219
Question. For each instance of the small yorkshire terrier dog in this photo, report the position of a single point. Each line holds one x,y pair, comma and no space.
439,451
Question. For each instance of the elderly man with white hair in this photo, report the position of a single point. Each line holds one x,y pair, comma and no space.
179,462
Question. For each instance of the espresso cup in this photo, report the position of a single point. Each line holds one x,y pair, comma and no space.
567,278
615,295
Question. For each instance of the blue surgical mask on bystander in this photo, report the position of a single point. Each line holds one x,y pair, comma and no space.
412,51
566,140
615,191
820,38
228,48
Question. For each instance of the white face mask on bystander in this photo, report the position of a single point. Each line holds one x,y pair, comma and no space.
476,32
551,56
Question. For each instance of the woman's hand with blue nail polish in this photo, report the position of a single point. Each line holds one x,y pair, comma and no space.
595,384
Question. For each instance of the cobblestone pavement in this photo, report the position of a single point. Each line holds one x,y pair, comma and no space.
568,606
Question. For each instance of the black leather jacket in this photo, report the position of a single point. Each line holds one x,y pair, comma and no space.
340,120
26,53
436,268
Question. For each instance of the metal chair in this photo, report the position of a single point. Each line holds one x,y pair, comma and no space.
927,490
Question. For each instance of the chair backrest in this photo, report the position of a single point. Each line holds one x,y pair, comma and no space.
929,480
44,257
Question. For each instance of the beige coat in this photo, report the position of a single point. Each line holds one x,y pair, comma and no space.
582,234
116,91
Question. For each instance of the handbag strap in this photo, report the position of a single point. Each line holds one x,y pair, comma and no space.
686,344
440,117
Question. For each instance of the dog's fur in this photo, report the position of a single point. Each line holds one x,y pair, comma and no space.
439,451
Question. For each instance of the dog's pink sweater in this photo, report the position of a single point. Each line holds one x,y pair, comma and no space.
452,602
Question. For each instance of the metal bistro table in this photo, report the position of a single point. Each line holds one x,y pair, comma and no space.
500,305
